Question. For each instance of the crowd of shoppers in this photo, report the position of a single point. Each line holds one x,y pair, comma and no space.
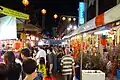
38,63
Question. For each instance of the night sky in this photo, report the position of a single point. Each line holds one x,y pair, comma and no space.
53,6
60,7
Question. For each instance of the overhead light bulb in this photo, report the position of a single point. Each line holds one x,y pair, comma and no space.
63,18
74,19
69,19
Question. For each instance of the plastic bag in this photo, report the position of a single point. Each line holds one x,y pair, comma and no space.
74,78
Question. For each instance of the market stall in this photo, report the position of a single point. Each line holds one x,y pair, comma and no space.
102,34
101,29
8,27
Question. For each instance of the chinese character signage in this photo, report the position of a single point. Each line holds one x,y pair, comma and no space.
81,13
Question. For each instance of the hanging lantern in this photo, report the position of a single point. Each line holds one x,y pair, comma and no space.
25,2
55,16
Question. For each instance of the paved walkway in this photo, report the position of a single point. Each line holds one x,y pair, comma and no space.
59,76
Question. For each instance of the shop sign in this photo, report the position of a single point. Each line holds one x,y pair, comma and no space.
81,13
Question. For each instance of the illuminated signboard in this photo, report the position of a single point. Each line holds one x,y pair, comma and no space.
81,12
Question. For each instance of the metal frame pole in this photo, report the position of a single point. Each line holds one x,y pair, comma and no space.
81,60
43,22
97,7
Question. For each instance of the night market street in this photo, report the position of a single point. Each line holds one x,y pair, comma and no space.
60,40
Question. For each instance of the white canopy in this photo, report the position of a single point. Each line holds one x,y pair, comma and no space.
8,28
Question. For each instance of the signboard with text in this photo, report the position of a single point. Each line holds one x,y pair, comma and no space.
81,13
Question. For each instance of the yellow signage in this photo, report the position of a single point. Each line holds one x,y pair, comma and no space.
10,12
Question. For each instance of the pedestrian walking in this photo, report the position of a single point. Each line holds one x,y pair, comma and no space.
42,67
29,67
41,53
68,66
13,68
3,72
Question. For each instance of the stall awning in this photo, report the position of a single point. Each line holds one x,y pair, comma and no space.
10,12
88,26
85,27
27,27
68,35
112,14
109,16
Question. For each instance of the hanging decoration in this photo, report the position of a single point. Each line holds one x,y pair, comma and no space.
103,41
25,2
99,20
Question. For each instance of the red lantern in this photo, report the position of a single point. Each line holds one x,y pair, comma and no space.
99,20
25,2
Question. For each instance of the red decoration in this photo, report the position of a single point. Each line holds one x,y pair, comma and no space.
103,42
17,45
99,20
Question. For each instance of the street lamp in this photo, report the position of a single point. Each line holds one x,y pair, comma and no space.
55,16
25,2
43,11
55,28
